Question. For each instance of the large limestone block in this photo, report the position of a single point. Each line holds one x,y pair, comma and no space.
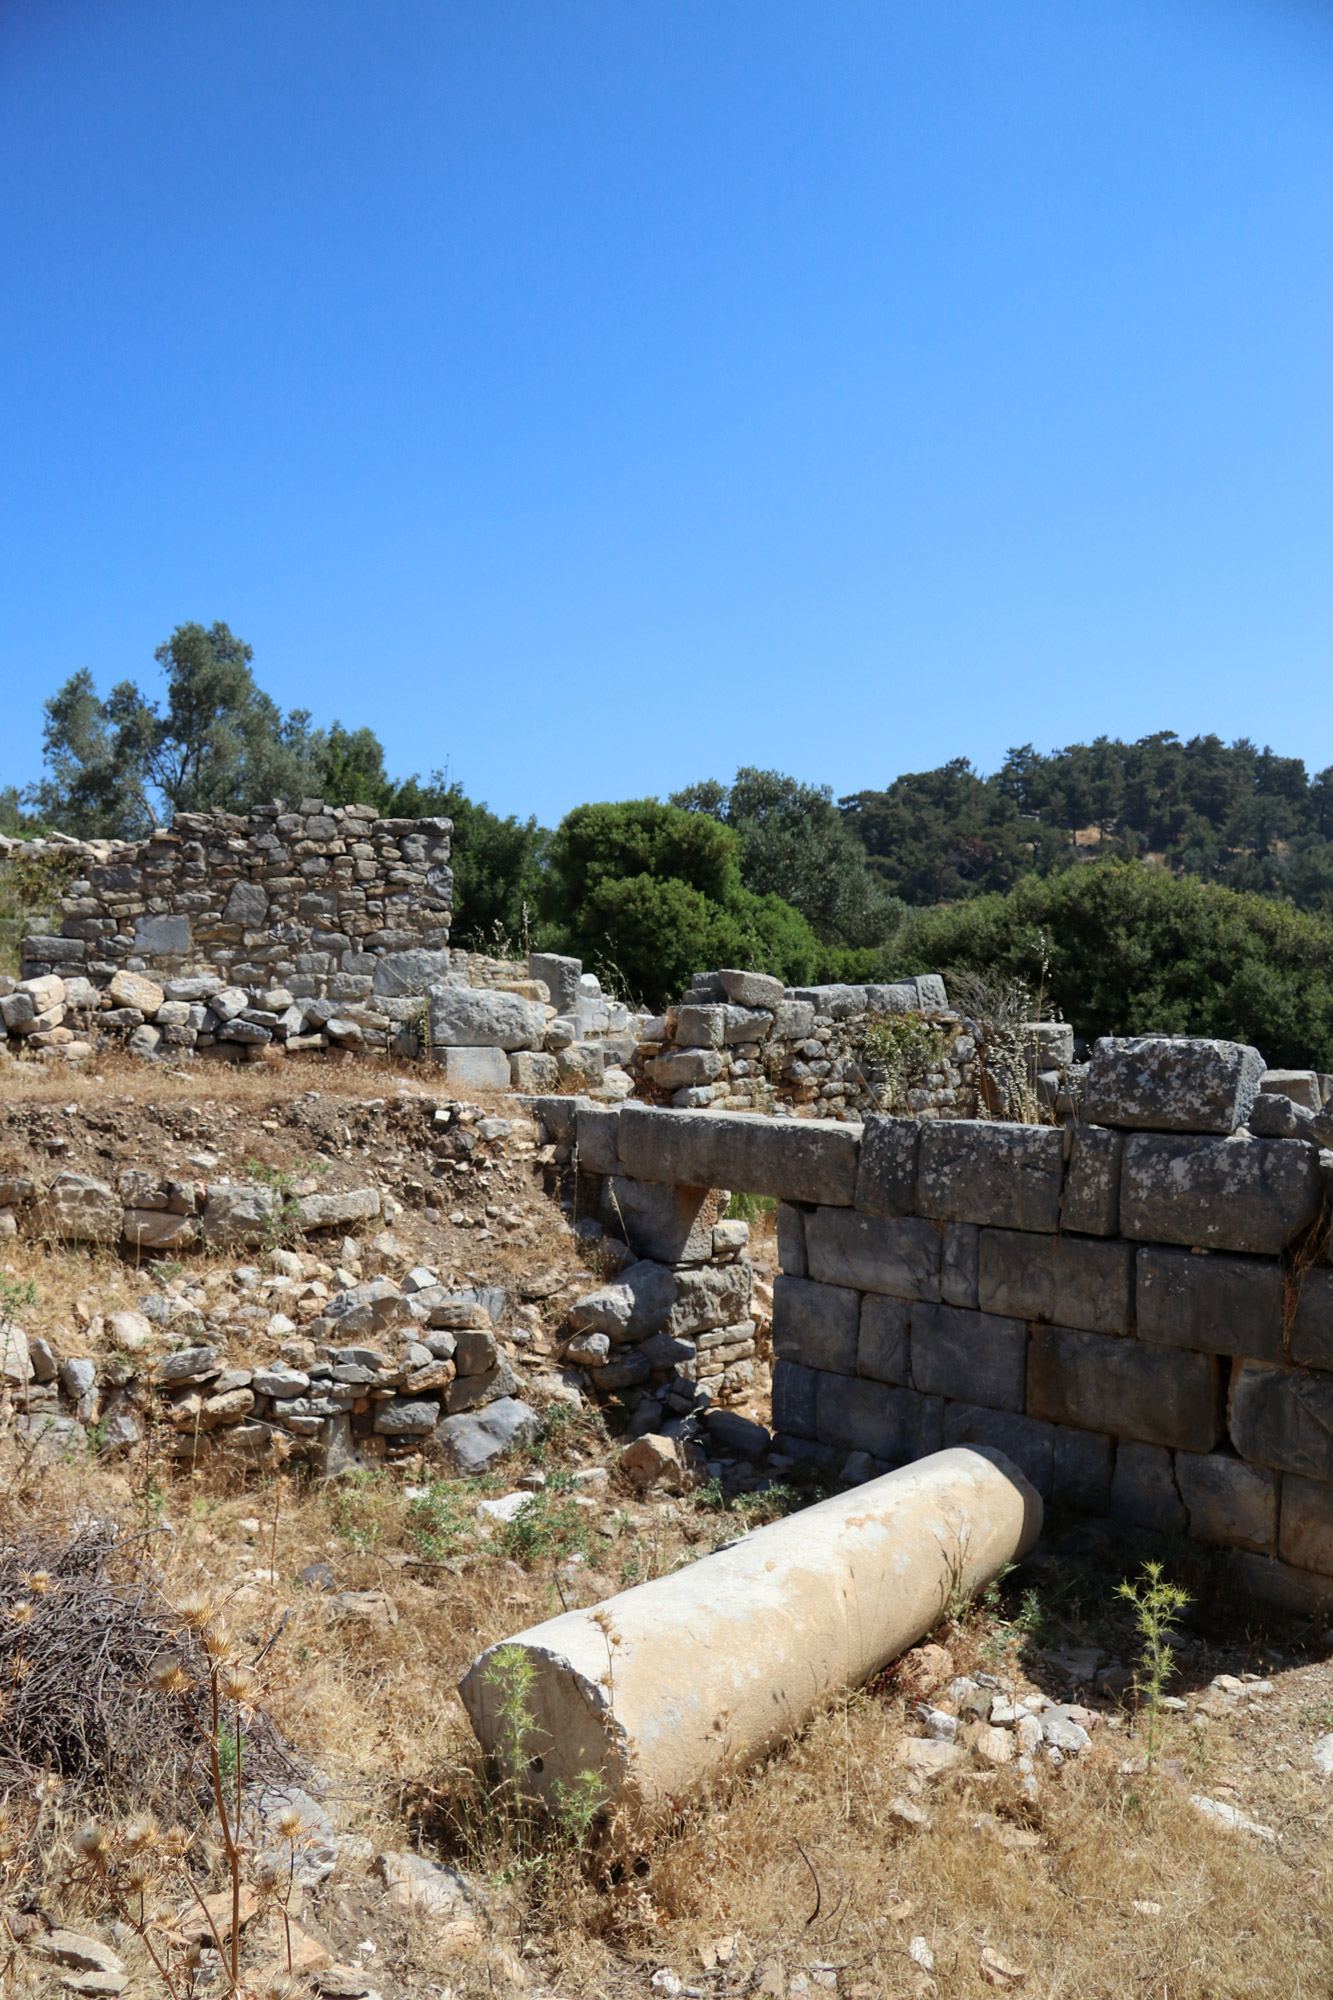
745,1024
1221,1194
158,1229
79,1209
759,1634
795,1388
793,1021
1229,1501
1219,1304
1161,1083
709,1295
1283,1418
1029,1443
597,1130
1143,1489
1157,1395
247,905
1312,1322
673,1225
473,1069
794,1159
327,1211
162,937
857,1415
816,1325
240,1215
882,1345
886,1175
973,1170
791,1239
560,975
752,989
685,1069
637,1304
1306,1538
471,1017
1082,1281
1300,1085
898,1256
131,989
700,1027
975,1356
401,975
1091,1205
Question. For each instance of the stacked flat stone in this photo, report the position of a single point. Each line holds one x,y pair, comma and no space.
742,1041
1116,1305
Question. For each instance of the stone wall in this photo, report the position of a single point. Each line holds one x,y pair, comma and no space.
1138,1311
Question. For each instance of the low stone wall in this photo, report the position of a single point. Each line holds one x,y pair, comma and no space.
1139,1312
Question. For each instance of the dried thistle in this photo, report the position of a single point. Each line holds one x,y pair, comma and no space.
218,1640
195,1609
168,1675
240,1684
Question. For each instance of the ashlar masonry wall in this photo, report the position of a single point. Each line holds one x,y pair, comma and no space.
1140,1315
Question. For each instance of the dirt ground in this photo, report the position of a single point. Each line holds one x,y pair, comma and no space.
831,1866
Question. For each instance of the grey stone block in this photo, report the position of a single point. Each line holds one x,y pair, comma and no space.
745,1024
401,975
1143,1489
529,1069
700,1027
1229,1501
559,1114
560,976
930,993
1091,1205
794,1389
899,1256
1306,1538
1282,1418
886,1177
709,1295
472,1017
1157,1395
1029,1443
673,1225
752,989
794,1159
817,1325
1083,1464
162,937
1218,1303
1161,1083
247,905
597,1132
857,1415
1083,1281
898,997
1312,1323
972,1355
1274,1586
1221,1194
1300,1085
971,1170
685,1069
793,1021
958,1269
791,1239
882,1350
473,1069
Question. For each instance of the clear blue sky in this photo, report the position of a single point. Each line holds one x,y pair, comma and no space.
598,396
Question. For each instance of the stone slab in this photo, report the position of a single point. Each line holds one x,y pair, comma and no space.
817,1325
1091,1205
1228,1501
1027,1441
1312,1321
794,1387
899,1256
1082,1281
473,1069
1143,1488
560,975
472,1017
974,1356
793,1159
1221,1194
597,1131
1283,1418
1165,1083
1306,1538
1217,1303
1156,1395
791,1239
673,1225
959,1265
886,1177
404,974
882,1349
974,1170
162,937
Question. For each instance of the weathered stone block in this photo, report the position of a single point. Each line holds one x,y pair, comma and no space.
1083,1281
1221,1194
972,1355
241,1215
401,975
794,1389
674,1225
162,937
817,1325
532,1070
1162,1083
752,989
471,1017
685,1069
79,1209
793,1021
1217,1303
791,1239
1306,1538
970,1170
337,1211
856,1415
1091,1205
158,1229
560,975
886,1177
794,1159
1029,1443
958,1268
131,989
1282,1418
1082,1467
1312,1323
473,1069
1157,1395
898,1256
709,1295
700,1027
1300,1085
745,1024
1229,1501
882,1351
1143,1488
597,1128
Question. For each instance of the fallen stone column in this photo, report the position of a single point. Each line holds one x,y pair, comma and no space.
663,1685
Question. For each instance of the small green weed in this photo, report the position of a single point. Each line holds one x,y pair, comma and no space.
549,1528
749,1208
1155,1603
441,1524
900,1050
16,1295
